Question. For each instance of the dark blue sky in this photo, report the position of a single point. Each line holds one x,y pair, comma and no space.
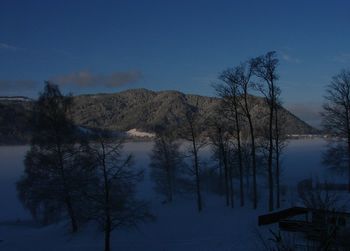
108,46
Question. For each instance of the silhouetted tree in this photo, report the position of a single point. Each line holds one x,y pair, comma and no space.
244,72
220,143
191,131
112,200
336,114
264,68
229,91
280,143
166,162
335,157
52,170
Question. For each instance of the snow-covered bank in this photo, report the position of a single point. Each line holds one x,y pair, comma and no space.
178,227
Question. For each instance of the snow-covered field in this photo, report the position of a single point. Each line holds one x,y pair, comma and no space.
177,227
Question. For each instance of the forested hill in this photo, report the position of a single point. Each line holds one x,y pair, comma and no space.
144,109
137,108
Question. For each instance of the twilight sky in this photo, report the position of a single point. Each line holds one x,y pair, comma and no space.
109,46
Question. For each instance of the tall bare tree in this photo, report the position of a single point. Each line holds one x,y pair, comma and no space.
220,141
280,143
265,69
112,199
336,112
244,73
166,161
229,91
191,131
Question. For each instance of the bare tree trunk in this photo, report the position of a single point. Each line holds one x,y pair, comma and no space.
224,160
253,156
246,109
348,139
277,143
168,172
240,162
71,214
247,179
255,192
108,221
191,136
269,163
241,182
232,192
349,164
222,178
68,199
278,193
196,166
170,183
107,236
196,169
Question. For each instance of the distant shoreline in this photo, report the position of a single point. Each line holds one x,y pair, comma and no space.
149,139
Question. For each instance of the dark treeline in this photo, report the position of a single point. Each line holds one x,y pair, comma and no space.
246,137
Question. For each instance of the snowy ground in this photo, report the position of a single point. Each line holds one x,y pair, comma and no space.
177,227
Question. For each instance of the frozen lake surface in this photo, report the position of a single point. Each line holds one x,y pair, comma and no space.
301,159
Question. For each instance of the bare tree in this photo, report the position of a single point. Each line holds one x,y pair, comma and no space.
264,68
166,161
280,143
51,177
244,73
191,131
229,91
112,197
336,112
220,142
335,157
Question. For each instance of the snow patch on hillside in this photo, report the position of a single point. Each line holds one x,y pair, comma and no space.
15,98
136,133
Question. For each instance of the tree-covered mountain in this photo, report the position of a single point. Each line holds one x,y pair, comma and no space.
144,109
15,117
136,108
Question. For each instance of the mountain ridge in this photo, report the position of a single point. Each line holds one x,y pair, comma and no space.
145,109
142,109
